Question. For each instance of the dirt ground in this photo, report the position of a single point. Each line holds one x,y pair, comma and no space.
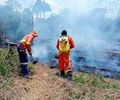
45,85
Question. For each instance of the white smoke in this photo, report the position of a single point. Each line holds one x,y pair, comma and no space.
93,24
40,51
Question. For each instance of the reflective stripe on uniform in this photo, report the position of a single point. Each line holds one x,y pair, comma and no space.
24,63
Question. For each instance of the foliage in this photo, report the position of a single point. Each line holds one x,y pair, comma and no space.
9,66
8,62
95,80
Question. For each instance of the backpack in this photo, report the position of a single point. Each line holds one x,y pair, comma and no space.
64,45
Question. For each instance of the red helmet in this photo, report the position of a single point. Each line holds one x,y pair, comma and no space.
33,33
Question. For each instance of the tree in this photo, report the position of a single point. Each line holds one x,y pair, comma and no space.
46,8
9,21
40,8
14,5
25,23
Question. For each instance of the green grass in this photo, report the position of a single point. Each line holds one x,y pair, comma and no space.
31,68
106,97
95,80
8,62
7,83
10,66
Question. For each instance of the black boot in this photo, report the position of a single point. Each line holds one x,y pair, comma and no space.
62,73
69,75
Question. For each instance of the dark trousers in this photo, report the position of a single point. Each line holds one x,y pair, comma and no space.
24,68
23,59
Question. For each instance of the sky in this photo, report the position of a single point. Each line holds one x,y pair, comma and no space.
28,3
76,5
57,5
2,1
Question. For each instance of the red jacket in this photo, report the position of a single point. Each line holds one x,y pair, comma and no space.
71,42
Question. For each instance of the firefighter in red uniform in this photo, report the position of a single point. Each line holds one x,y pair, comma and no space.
64,44
22,46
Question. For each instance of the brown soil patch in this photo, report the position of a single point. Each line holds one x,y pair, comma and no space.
45,85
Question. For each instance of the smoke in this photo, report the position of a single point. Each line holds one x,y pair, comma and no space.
41,52
93,25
